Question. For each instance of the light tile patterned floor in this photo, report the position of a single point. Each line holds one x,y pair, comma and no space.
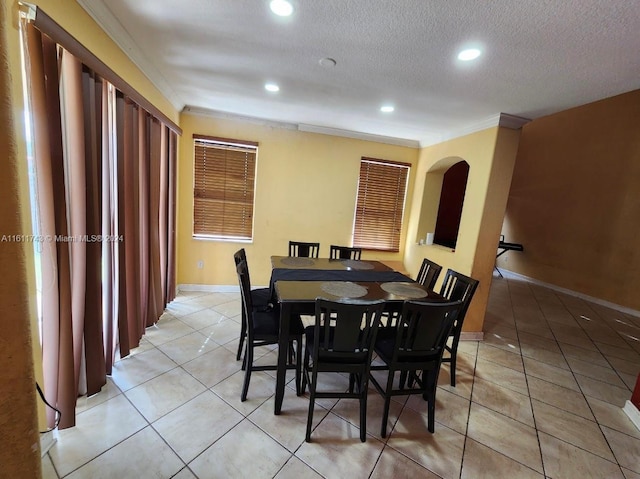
541,396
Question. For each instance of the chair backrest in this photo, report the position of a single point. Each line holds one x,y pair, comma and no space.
240,256
458,287
304,250
344,252
245,287
422,331
428,274
345,331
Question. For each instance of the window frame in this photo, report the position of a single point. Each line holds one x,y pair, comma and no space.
375,189
235,226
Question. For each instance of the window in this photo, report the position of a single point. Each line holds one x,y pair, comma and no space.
380,204
223,188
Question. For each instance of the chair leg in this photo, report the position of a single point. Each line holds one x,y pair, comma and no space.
363,414
312,401
428,380
387,403
452,368
305,372
248,362
243,333
299,367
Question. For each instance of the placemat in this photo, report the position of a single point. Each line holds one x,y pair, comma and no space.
407,290
355,264
343,289
297,261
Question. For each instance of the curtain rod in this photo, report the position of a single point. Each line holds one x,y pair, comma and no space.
48,26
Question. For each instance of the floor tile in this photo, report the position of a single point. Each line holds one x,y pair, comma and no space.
289,427
626,449
134,370
613,417
562,460
604,374
164,393
296,469
96,430
392,464
188,347
606,392
482,462
501,356
440,452
503,400
244,452
48,471
167,330
213,367
144,454
571,429
197,424
549,373
108,391
560,397
335,450
261,387
505,435
501,375
202,319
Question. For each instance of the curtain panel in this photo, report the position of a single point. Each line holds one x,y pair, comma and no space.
105,180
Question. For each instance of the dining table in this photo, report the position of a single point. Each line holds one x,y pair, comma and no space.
297,284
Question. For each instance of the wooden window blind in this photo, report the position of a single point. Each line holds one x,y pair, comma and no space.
224,184
380,204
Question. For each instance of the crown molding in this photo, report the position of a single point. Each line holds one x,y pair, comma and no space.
323,130
505,120
104,18
196,110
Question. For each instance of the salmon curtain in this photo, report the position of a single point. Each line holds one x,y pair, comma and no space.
105,181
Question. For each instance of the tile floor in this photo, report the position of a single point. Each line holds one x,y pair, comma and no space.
541,396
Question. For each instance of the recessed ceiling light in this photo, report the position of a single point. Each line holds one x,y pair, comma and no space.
469,54
272,87
281,7
387,109
327,62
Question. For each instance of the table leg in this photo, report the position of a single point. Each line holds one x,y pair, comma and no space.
283,353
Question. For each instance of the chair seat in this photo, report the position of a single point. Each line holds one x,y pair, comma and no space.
261,297
266,325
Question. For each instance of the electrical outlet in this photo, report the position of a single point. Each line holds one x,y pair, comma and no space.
200,264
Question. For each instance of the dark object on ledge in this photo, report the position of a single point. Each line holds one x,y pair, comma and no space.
504,246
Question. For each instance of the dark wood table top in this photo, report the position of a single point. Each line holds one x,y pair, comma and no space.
293,262
307,291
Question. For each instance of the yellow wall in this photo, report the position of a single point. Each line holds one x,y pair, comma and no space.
575,200
306,187
490,154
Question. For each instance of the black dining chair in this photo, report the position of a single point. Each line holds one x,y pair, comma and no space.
457,287
428,274
341,341
260,299
304,250
344,252
416,345
262,327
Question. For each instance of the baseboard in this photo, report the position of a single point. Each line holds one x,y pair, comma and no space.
601,302
632,411
209,288
47,440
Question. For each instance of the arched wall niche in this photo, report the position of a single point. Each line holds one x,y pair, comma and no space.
442,201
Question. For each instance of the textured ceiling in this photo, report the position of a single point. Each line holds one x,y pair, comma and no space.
539,57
